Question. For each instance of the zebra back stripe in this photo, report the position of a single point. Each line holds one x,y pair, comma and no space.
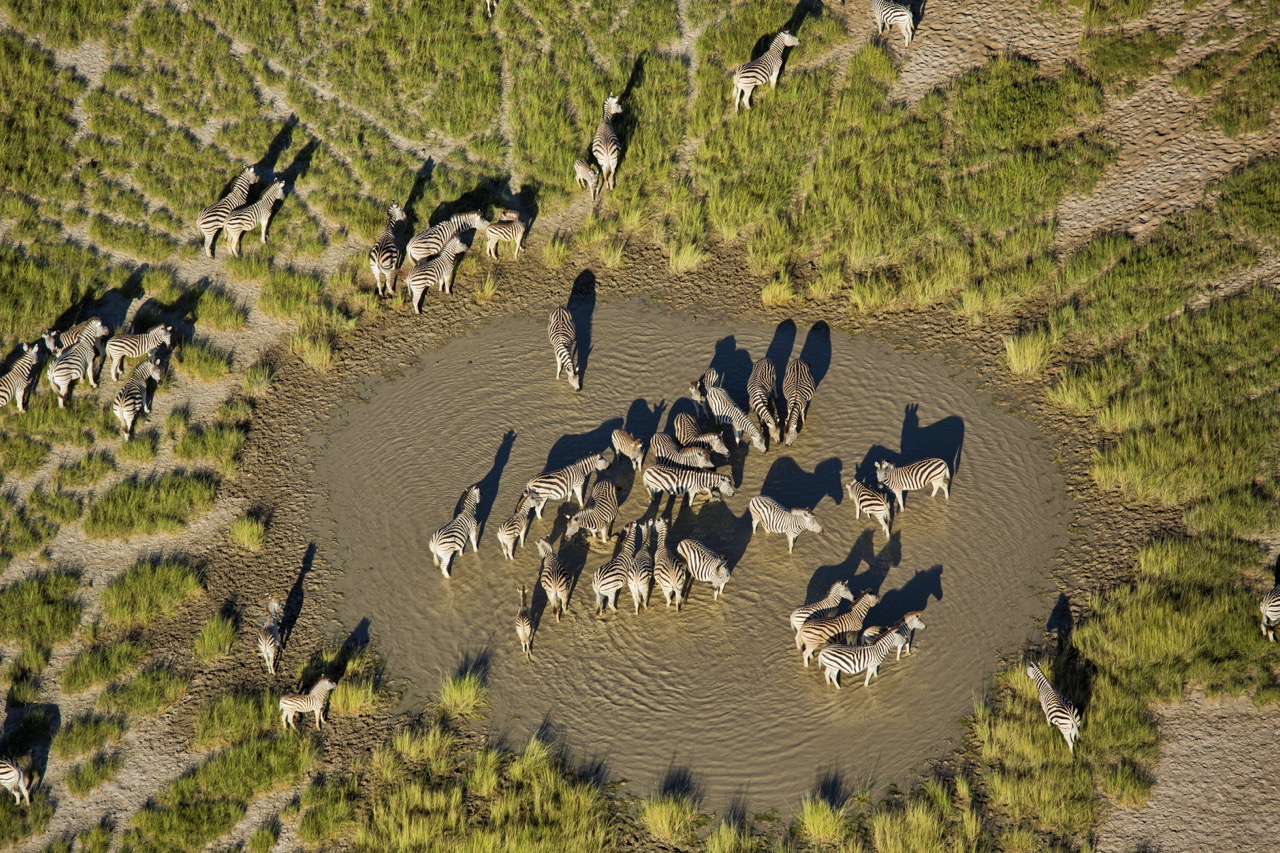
513,531
891,13
842,657
660,479
640,572
764,68
727,412
917,475
453,537
839,592
776,518
384,257
816,632
437,270
564,482
598,515
553,579
72,363
669,452
610,578
253,216
505,231
269,637
704,564
668,572
867,501
131,399
213,217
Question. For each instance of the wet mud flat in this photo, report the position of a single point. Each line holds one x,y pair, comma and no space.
714,697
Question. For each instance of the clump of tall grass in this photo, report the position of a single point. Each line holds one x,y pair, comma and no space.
149,590
88,775
1251,96
463,695
157,504
21,531
218,442
1028,354
56,505
672,818
79,423
202,360
486,291
556,250
1126,57
100,664
327,809
151,691
264,839
236,717
215,638
219,310
257,379
248,532
86,733
21,454
821,822
85,471
778,294
730,837
316,351
40,610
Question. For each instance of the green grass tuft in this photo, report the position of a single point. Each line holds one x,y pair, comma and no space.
463,695
139,449
235,718
88,775
84,472
671,818
821,822
41,610
57,506
148,591
100,664
158,504
216,638
21,455
248,532
151,691
86,733
202,360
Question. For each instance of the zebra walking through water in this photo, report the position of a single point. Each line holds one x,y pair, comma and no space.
902,633
433,240
253,216
797,390
72,363
685,483
513,531
437,270
917,475
563,335
776,518
553,579
727,413
597,517
760,393
640,572
892,13
704,564
384,257
312,702
765,67
135,346
131,400
214,217
524,624
605,145
563,483
815,633
867,501
668,572
17,379
839,592
843,657
1057,710
453,537
611,577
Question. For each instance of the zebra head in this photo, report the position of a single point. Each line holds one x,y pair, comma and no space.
788,40
395,213
720,574
154,370
611,105
544,548
884,470
725,486
807,519
277,192
249,175
599,463
912,620
49,339
841,590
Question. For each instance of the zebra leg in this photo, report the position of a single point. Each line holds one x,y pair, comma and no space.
885,524
474,535
791,542
264,232
19,398
208,244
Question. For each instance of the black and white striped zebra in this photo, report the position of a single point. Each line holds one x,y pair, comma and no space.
668,571
892,13
903,633
776,518
762,69
269,636
437,270
685,482
640,572
566,482
14,781
624,444
453,537
704,564
505,231
760,393
727,413
563,335
513,531
698,388
384,257
667,451
17,379
611,577
554,579
213,217
433,240
121,347
851,659
93,327
869,502
689,433
797,390
72,363
588,177
312,702
256,215
1270,607
601,510
131,400
524,624
839,592
605,145
917,475
1057,710
817,632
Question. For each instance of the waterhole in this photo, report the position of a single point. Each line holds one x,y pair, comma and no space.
714,697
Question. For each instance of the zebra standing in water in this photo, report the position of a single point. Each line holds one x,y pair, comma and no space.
311,703
553,579
454,536
72,363
892,13
1271,613
598,515
685,482
611,577
687,433
625,445
726,412
669,452
764,378
839,592
902,633
437,270
254,215
562,483
640,572
513,531
384,257
131,399
842,657
214,217
605,145
134,346
797,390
776,518
698,389
704,564
14,781
524,624
563,335
269,636
765,67
14,383
917,475
505,230
817,632
588,177
867,501
668,571
434,239
1057,710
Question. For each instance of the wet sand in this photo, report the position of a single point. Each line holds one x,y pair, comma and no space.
716,693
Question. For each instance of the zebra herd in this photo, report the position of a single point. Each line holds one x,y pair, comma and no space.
232,216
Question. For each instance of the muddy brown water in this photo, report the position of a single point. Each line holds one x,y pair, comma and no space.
715,696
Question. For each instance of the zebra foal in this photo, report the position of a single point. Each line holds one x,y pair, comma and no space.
917,475
214,217
453,537
269,636
867,501
17,379
1057,710
524,624
605,145
776,518
597,517
624,444
131,400
563,335
505,230
121,347
384,257
588,177
688,433
765,67
252,216
312,702
513,531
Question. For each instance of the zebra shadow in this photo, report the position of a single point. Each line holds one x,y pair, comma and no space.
713,524
279,144
624,125
582,307
29,730
573,555
489,483
297,595
643,420
301,164
790,485
862,553
942,439
421,178
570,448
816,351
733,363
911,597
780,347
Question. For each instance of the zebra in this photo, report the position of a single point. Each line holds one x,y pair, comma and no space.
17,379
513,531
454,536
605,145
563,336
685,482
553,579
902,633
258,214
93,327
917,475
214,217
562,483
133,346
588,177
640,572
14,781
505,231
131,399
764,378
668,571
892,13
384,257
437,270
814,633
524,624
776,518
600,512
625,445
698,388
490,6
867,501
687,433
1057,710
433,240
839,592
767,66
726,412
72,363
669,452
310,703
611,577
1271,613
797,390
704,564
842,657
269,636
